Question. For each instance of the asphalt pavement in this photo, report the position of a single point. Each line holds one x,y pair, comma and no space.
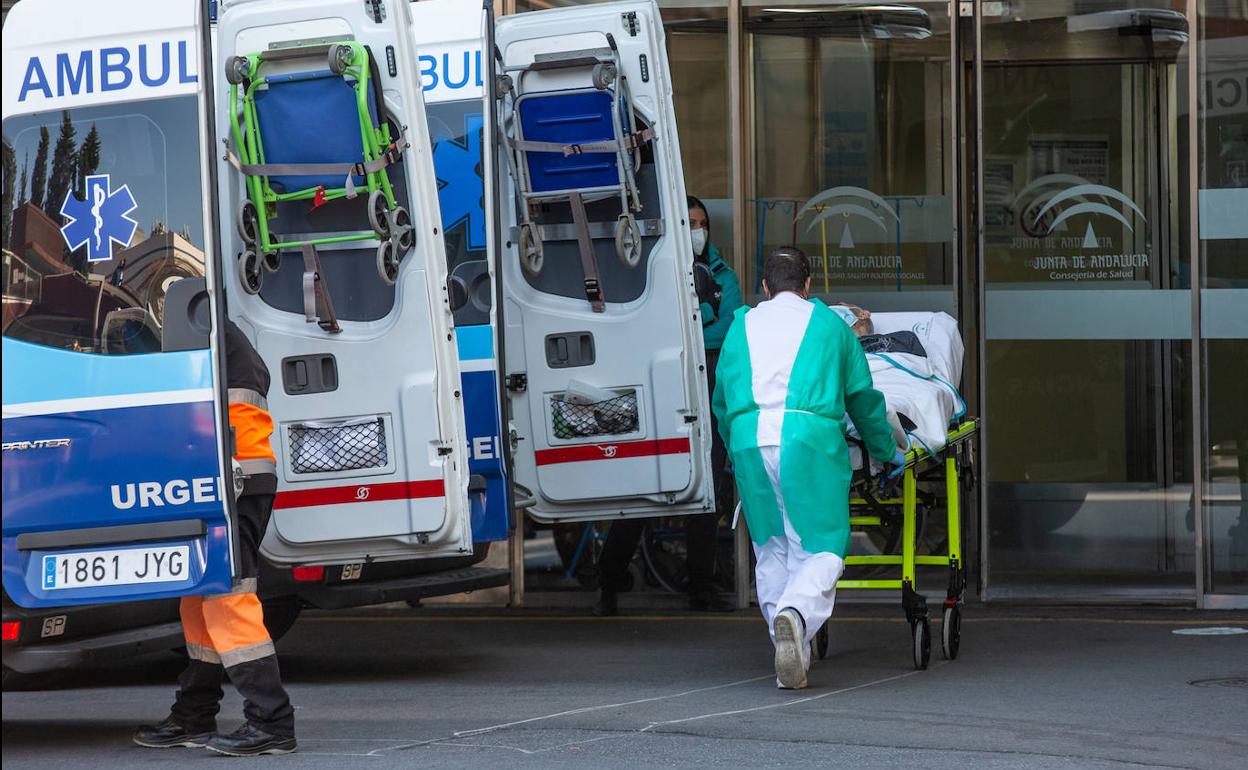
1046,688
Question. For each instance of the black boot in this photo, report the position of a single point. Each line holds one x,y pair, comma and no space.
251,741
607,604
169,734
266,706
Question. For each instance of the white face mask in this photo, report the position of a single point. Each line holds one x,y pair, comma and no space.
699,241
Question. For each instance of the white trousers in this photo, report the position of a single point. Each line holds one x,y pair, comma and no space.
787,575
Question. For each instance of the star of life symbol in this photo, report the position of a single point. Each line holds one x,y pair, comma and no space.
609,451
101,220
457,161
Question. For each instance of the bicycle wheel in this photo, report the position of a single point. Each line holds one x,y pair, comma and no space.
663,550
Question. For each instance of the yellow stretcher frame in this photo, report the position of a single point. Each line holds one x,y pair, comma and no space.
864,507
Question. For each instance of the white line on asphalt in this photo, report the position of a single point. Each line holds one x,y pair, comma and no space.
570,712
587,709
654,725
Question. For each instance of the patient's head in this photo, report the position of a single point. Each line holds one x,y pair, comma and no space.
858,319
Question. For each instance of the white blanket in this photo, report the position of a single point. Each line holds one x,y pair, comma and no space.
922,389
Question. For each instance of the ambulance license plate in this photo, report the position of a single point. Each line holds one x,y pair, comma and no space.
87,569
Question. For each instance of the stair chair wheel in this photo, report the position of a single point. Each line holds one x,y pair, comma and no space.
401,227
628,241
236,69
378,214
388,259
250,272
271,261
530,247
603,75
502,86
247,220
339,57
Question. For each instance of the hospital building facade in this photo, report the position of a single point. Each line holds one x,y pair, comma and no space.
1067,178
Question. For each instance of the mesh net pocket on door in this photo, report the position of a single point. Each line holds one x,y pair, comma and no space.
333,445
610,417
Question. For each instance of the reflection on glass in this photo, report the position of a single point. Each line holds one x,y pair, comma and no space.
100,218
1223,180
852,118
1088,479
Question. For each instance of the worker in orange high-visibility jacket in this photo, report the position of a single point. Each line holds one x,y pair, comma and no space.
225,633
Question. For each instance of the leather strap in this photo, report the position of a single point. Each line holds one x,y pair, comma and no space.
589,262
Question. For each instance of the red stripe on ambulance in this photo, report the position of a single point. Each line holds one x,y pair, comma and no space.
618,451
360,493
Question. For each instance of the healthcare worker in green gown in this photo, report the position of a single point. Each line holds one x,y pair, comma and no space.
789,374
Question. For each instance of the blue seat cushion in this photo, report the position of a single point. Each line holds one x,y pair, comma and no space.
311,117
569,118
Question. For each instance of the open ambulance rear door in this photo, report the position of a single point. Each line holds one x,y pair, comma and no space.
452,46
357,331
604,356
114,482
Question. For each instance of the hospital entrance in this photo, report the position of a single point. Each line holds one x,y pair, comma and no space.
1029,169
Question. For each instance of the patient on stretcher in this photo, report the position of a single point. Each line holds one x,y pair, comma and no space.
859,319
916,362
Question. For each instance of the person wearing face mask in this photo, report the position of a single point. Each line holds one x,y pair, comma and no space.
718,303
790,372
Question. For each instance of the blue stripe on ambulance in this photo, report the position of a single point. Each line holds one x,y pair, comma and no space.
137,463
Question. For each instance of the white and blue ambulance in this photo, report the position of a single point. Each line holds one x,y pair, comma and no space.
407,409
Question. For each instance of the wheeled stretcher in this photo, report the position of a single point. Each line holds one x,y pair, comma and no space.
939,467
571,138
308,123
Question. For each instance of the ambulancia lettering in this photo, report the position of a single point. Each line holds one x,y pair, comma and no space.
147,65
156,494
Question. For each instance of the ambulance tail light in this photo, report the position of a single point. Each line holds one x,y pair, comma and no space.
309,574
12,630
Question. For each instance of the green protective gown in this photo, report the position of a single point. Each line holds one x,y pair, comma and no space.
827,378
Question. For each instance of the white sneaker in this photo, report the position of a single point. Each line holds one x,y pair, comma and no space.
792,654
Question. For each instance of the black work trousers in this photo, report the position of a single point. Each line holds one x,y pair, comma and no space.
700,529
226,637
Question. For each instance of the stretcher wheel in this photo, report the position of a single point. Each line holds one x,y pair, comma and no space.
628,240
339,57
250,273
603,75
402,226
247,220
922,633
378,208
388,262
236,69
951,632
821,641
530,247
271,261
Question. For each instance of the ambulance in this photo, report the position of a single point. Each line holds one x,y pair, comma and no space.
168,165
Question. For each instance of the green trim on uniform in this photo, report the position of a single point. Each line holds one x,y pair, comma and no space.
829,376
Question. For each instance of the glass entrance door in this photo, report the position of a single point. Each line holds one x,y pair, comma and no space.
1087,301
852,124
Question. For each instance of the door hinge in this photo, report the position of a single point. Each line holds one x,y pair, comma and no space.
518,382
630,23
691,418
376,10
